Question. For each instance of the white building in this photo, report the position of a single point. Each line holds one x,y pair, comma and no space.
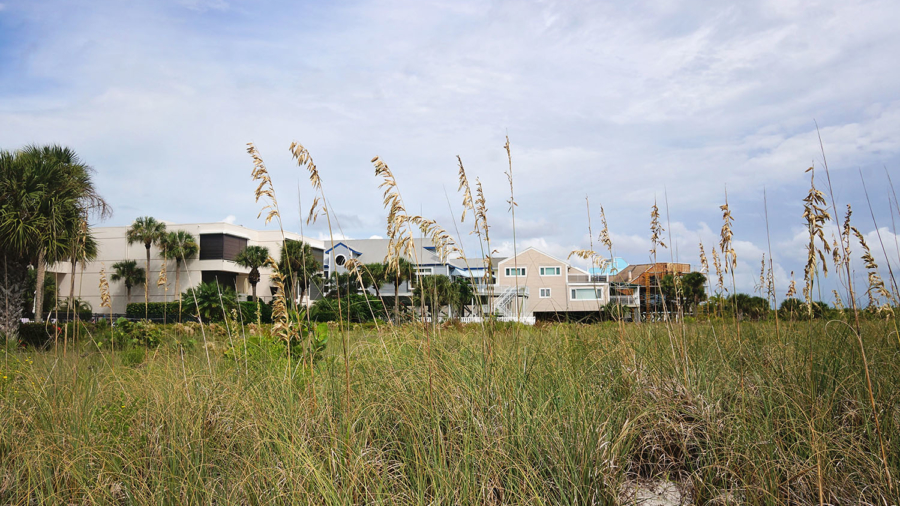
219,244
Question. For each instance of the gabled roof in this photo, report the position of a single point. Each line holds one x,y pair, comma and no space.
375,250
532,248
344,245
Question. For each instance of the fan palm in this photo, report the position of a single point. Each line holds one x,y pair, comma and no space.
128,272
46,193
253,257
149,231
402,271
375,276
180,246
299,265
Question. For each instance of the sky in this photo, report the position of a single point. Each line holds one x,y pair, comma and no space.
615,104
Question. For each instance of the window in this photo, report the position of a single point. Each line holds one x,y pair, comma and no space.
425,271
515,272
340,260
550,271
545,293
586,293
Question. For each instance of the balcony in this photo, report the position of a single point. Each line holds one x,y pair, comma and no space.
496,290
587,278
626,300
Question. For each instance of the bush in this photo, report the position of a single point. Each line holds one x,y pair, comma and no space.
39,335
159,310
358,308
248,312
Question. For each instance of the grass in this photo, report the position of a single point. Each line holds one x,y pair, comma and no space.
590,411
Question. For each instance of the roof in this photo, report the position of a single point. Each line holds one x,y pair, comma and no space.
474,262
376,250
548,255
660,267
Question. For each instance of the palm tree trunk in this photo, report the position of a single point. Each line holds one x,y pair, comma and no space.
177,287
253,289
147,284
397,300
39,288
72,291
127,296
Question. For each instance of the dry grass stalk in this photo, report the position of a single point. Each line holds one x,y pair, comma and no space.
265,188
762,275
838,303
876,284
729,256
105,298
816,215
656,230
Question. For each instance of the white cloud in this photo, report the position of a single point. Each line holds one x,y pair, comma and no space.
230,219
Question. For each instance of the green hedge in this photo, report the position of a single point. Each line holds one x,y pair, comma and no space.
170,310
354,308
36,334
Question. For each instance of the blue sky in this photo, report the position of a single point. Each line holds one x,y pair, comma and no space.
622,102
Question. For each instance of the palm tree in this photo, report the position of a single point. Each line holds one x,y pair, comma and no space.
148,231
180,246
298,263
253,257
375,276
130,273
45,195
402,271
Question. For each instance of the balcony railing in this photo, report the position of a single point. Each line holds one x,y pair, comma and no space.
483,289
588,278
625,300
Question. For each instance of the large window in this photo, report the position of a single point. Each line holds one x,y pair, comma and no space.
586,293
551,271
515,272
545,293
220,246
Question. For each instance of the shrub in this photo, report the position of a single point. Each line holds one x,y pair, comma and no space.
39,335
213,300
358,308
159,310
248,312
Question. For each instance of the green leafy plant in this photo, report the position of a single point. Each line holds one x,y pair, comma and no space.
211,301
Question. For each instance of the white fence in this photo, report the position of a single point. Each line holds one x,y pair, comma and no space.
527,320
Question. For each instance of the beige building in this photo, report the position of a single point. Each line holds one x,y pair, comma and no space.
548,286
219,243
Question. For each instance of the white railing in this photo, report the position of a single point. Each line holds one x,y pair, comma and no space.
625,300
527,320
587,278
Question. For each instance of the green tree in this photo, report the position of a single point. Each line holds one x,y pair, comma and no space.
462,294
401,272
374,275
129,273
48,298
45,195
434,292
181,246
299,266
253,257
149,231
211,301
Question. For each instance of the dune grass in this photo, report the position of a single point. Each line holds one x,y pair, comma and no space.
588,409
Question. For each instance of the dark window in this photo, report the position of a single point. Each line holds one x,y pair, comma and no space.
340,259
223,278
220,246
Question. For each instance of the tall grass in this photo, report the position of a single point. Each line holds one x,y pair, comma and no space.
572,428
